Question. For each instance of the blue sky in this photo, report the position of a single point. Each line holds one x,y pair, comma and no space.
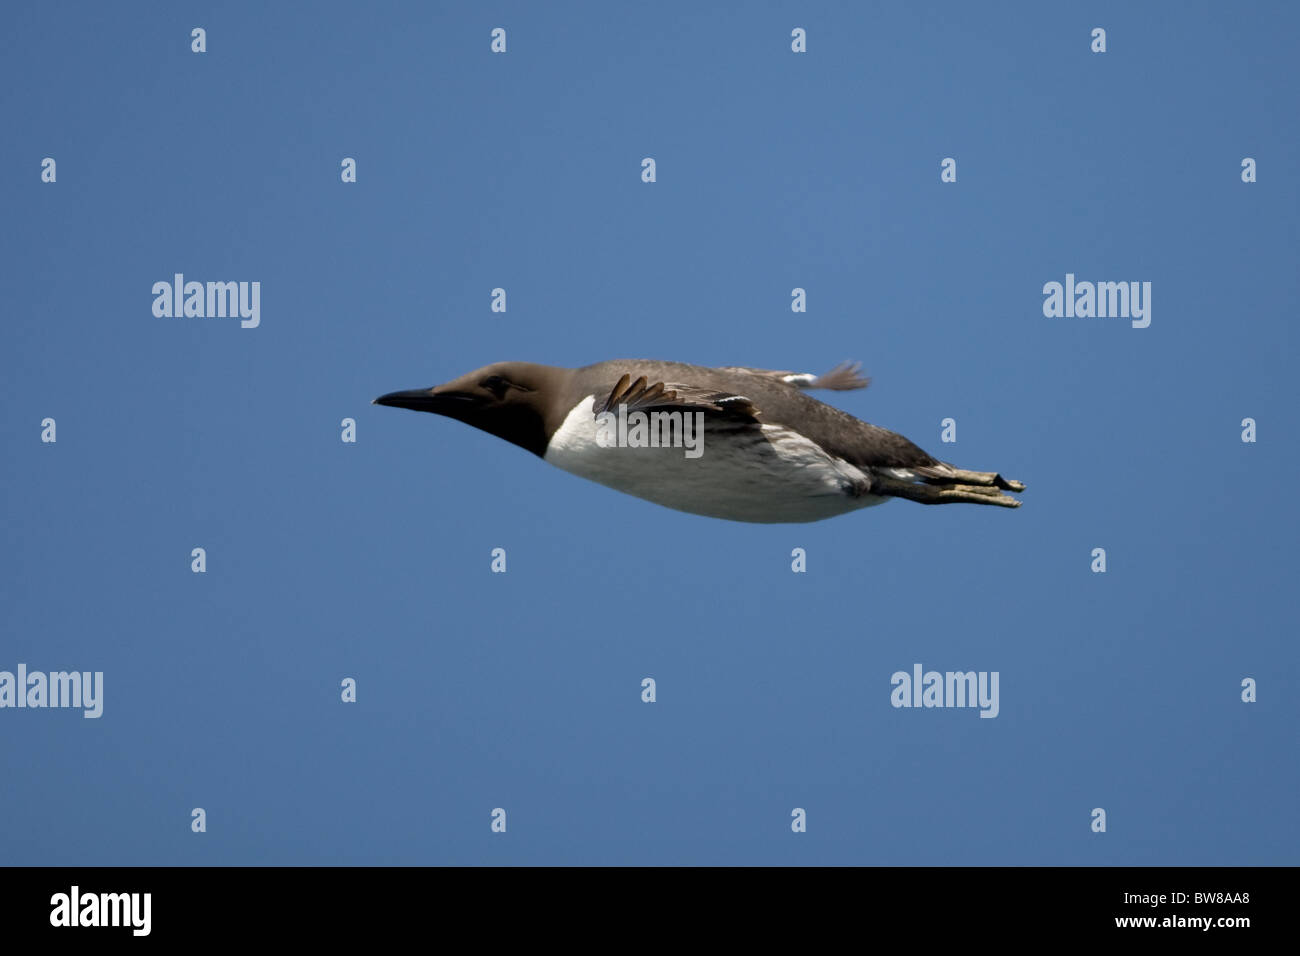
521,690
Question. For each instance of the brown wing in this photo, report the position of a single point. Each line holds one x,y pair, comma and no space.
644,395
841,378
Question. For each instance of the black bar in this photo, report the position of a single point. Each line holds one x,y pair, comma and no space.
209,905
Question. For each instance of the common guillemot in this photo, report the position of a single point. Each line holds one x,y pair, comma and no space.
767,451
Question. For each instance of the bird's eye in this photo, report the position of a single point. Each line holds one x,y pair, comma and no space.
495,384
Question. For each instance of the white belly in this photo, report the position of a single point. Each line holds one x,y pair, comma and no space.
742,474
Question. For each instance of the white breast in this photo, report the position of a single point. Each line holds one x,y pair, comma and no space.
743,474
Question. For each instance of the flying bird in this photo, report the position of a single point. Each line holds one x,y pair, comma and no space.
744,444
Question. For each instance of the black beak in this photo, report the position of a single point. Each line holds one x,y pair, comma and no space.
418,399
426,400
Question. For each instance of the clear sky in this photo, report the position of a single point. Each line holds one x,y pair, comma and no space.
328,560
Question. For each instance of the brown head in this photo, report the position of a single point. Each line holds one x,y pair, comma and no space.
518,401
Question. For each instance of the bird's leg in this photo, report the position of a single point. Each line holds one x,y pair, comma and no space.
964,477
942,494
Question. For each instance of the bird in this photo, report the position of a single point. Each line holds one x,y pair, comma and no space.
736,443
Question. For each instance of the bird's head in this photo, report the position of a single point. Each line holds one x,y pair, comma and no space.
506,399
